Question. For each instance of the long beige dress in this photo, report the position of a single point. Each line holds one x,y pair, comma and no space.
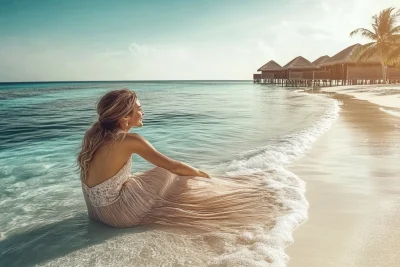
158,196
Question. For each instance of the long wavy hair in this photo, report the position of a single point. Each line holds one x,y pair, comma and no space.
111,108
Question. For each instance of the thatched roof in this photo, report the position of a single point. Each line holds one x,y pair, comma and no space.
270,66
299,63
347,56
318,62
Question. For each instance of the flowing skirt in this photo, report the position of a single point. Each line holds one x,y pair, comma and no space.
160,197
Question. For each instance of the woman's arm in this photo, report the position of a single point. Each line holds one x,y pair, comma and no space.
139,145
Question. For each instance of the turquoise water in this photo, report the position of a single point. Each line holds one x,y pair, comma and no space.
221,127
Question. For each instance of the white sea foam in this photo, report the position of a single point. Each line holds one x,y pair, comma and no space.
391,112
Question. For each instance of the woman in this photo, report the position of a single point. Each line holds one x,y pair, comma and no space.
168,194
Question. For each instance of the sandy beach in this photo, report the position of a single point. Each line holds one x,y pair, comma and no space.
384,95
353,188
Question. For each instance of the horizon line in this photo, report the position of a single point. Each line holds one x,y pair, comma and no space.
91,81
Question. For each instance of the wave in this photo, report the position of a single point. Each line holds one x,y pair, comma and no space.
271,160
391,112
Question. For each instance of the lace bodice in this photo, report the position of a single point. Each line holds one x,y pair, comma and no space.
108,191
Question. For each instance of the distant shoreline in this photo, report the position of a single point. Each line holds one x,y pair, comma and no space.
384,95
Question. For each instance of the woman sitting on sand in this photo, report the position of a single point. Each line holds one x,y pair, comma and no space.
172,193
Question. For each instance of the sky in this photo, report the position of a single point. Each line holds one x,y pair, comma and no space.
83,40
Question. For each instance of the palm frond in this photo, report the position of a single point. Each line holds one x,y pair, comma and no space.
375,20
365,52
384,48
395,30
395,39
375,27
364,32
385,21
396,16
392,18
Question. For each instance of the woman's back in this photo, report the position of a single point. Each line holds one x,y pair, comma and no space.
107,161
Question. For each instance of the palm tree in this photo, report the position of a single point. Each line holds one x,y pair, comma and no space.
385,38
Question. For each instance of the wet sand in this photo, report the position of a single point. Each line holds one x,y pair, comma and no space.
353,187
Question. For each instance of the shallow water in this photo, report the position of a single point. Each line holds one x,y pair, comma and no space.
225,128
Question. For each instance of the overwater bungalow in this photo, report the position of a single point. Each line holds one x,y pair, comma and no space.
256,77
346,69
393,75
320,77
299,72
271,72
319,61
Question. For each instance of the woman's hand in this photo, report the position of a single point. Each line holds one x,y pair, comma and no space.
203,174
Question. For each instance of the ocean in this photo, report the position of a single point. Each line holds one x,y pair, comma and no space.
223,127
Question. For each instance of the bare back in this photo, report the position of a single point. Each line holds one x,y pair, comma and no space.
107,161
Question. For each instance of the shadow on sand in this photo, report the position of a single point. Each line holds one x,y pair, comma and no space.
38,245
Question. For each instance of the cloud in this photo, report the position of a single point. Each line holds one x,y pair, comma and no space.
141,50
325,6
229,50
267,50
313,28
313,31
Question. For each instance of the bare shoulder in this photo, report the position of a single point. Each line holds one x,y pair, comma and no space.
136,143
134,138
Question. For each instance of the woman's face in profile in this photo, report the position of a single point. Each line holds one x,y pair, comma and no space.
135,119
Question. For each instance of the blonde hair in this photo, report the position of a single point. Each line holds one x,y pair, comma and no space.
111,108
